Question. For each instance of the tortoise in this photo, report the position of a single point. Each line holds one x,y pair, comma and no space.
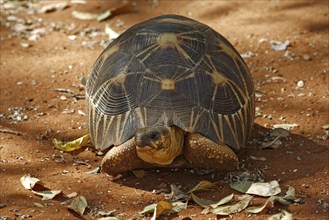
170,92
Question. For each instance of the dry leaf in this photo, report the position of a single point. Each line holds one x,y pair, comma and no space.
175,193
179,206
283,215
47,194
200,201
85,16
71,195
264,189
223,201
110,32
104,15
162,207
139,173
203,185
71,145
257,209
260,189
286,126
278,46
279,132
79,205
235,208
29,182
241,186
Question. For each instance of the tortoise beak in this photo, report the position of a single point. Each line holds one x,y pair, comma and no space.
143,142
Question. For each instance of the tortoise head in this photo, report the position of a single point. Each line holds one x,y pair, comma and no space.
159,144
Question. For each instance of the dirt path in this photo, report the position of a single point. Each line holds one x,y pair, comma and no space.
292,88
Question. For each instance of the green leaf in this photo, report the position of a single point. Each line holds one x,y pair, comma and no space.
71,145
79,205
235,208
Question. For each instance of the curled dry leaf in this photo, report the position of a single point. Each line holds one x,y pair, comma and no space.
235,208
71,145
29,182
79,205
203,185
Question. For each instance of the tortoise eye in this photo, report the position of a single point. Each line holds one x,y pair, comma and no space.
154,136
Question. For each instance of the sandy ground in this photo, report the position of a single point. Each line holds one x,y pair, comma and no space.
43,55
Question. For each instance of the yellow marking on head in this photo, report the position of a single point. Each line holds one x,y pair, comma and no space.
166,40
168,84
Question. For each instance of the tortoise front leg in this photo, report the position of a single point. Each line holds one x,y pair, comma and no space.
122,158
201,152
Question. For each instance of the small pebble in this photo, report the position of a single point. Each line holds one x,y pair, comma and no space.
300,84
63,97
72,37
307,57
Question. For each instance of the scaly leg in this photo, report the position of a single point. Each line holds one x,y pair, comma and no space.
201,152
122,158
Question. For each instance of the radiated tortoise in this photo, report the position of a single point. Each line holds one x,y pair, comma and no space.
170,92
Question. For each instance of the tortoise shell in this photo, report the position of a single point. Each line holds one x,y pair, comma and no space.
170,70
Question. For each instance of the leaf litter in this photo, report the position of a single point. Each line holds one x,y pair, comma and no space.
178,200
